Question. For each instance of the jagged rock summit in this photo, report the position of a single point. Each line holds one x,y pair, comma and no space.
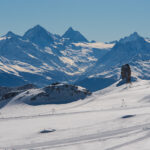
131,38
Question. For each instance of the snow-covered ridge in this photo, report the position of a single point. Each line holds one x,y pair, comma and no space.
53,94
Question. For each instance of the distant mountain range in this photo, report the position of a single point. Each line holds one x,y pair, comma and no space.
41,58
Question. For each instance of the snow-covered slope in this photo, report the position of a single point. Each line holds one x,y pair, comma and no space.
116,118
44,57
133,50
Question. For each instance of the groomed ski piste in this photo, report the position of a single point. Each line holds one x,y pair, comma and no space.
115,118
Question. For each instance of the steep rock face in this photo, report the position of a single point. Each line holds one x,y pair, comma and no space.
126,73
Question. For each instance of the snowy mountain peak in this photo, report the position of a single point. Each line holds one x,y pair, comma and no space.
70,29
39,36
11,34
132,37
74,36
37,28
135,34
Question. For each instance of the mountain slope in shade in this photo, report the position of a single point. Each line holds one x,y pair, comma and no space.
74,36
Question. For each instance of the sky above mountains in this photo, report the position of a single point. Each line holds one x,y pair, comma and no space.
100,20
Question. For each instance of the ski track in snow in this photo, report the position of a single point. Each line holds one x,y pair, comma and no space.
108,124
70,113
85,138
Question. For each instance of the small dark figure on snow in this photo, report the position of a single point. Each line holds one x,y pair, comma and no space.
126,73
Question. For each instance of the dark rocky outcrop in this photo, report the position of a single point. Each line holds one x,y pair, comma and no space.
58,93
126,73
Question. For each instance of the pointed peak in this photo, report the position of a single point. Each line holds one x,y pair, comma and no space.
70,29
35,31
134,34
11,34
74,36
38,27
132,37
39,36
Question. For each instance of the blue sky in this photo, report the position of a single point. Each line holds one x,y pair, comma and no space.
100,20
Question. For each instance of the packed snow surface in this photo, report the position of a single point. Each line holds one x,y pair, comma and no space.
116,118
